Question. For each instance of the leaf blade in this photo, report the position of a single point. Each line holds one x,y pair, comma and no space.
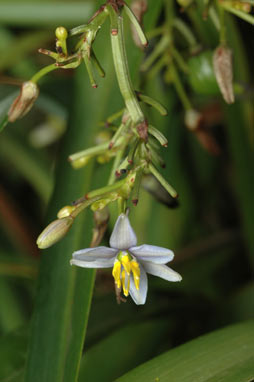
204,359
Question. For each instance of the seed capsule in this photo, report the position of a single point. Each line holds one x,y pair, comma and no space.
223,69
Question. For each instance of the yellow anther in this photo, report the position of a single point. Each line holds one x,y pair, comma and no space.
136,273
125,260
125,283
116,272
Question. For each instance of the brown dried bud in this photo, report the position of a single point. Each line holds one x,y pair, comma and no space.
24,102
142,130
195,122
54,232
223,69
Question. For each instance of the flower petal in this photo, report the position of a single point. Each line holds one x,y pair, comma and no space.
158,255
92,254
93,264
123,236
139,296
162,271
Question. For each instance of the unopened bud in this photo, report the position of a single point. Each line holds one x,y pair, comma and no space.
54,232
105,158
100,204
241,6
61,33
80,162
102,137
184,3
223,69
192,119
24,102
61,36
65,211
101,217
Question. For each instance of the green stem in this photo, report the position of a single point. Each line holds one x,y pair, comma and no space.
222,25
244,16
180,88
96,150
115,166
43,72
105,190
122,69
187,33
162,181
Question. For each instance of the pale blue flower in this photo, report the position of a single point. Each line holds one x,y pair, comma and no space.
130,263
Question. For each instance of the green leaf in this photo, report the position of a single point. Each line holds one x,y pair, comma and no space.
45,13
225,355
12,355
128,346
27,161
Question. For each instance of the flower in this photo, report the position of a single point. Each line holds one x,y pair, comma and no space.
130,263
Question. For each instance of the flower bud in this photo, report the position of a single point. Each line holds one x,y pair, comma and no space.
24,102
101,217
100,204
61,33
102,137
80,162
54,232
65,211
223,69
192,119
241,6
184,3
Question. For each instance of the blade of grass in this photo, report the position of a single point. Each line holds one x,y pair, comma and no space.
27,161
45,14
144,337
223,355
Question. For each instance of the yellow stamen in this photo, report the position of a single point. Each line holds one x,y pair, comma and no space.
136,273
125,260
116,272
125,283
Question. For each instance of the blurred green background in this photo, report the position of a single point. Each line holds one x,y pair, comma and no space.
211,230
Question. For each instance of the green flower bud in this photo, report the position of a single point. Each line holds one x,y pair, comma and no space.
184,3
61,33
80,162
100,204
65,211
54,232
24,102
